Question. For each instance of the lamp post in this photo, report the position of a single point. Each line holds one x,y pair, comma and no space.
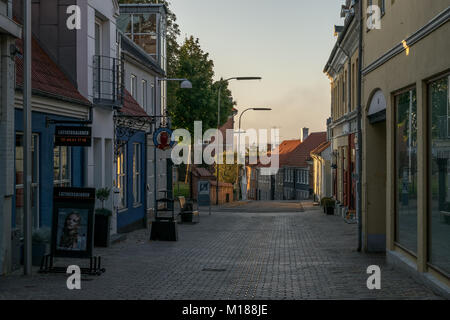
27,166
185,84
239,137
221,82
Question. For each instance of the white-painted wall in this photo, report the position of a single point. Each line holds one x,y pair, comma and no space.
100,157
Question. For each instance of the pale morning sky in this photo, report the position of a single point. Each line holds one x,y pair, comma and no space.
285,42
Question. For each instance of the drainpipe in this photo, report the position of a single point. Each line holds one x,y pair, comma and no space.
359,150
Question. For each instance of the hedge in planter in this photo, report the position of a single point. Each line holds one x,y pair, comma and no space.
41,245
102,225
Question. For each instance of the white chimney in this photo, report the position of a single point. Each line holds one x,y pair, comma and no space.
305,134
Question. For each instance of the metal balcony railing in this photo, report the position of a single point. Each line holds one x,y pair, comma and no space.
108,81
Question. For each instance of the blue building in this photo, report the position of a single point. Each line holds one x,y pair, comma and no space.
54,98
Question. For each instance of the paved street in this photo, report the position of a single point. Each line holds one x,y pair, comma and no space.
245,252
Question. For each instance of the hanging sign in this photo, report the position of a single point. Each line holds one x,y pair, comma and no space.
73,136
163,139
73,222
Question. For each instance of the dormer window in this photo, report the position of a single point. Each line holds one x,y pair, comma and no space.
146,26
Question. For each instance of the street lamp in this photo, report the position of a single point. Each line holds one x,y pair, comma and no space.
184,84
239,136
218,123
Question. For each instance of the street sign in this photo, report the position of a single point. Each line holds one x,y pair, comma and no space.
163,139
73,136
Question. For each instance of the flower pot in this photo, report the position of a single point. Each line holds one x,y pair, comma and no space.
102,231
187,217
38,252
330,211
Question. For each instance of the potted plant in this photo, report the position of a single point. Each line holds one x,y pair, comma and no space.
102,224
41,245
323,202
329,205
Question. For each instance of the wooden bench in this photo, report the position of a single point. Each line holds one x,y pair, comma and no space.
187,211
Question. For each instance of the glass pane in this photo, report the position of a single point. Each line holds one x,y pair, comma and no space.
144,23
124,23
406,166
19,181
65,163
439,218
146,42
56,164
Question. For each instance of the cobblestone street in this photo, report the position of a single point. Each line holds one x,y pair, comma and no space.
234,254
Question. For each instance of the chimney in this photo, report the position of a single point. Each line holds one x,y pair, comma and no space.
305,134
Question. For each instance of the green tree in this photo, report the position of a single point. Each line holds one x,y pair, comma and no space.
200,103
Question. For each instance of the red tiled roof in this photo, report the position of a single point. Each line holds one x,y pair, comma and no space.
46,76
131,107
300,156
202,172
284,150
322,147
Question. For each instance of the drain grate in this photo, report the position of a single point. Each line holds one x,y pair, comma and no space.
214,270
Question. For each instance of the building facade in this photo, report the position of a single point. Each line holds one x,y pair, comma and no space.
9,32
406,74
322,180
135,155
342,70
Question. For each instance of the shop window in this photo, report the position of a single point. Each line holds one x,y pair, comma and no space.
121,181
62,167
19,160
406,170
439,177
137,173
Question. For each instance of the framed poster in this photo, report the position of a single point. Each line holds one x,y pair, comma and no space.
73,222
204,198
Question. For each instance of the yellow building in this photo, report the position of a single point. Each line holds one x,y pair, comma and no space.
342,70
406,136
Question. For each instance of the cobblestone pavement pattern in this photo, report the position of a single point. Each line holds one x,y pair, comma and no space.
244,252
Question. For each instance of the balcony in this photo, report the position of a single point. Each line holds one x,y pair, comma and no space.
108,82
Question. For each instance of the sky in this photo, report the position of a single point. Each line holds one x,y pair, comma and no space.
287,43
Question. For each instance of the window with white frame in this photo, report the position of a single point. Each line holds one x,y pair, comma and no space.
133,86
62,167
137,173
144,95
121,179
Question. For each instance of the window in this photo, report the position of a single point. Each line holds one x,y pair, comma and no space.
144,94
439,177
61,167
137,173
406,169
121,181
134,86
383,7
19,158
98,38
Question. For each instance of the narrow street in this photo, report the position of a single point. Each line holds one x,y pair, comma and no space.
278,250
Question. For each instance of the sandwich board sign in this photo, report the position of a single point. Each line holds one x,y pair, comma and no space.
204,195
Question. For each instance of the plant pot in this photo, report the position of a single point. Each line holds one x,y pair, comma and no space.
38,252
187,217
330,211
102,231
